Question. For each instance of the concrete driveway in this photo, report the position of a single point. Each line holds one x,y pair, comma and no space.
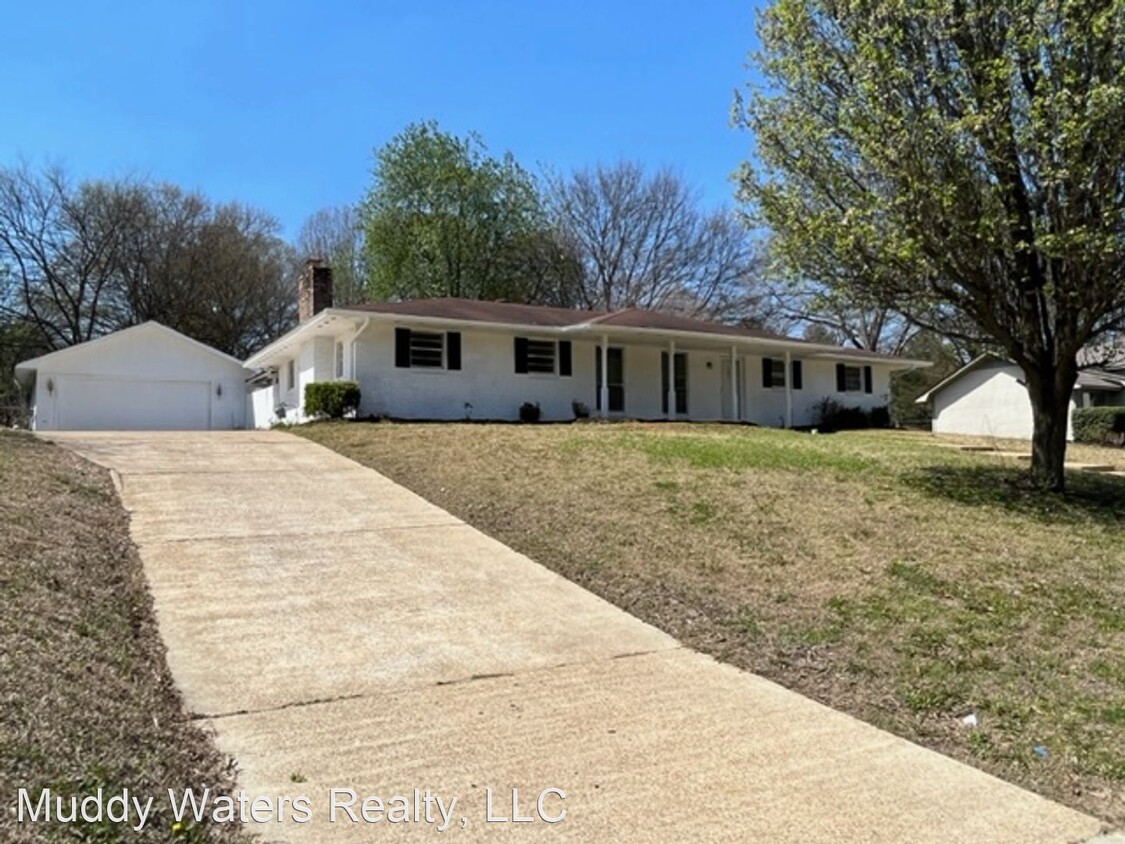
339,632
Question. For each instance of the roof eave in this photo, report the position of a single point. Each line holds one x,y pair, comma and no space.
256,360
36,363
585,328
954,376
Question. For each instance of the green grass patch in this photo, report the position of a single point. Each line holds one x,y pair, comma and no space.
783,450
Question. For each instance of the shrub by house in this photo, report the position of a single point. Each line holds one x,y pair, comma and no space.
1099,425
332,399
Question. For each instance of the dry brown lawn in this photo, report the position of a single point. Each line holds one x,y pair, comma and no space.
905,583
86,698
1076,452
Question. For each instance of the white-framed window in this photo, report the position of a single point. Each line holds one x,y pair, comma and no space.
774,374
340,360
427,349
777,372
541,356
854,379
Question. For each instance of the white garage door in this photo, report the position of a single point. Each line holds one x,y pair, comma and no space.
108,404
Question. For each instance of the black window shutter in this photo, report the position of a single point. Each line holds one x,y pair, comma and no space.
521,355
564,357
796,375
402,347
767,372
841,379
453,350
598,378
867,385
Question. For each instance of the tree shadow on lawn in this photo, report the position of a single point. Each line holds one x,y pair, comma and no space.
1089,497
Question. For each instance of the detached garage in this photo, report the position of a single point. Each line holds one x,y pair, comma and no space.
147,377
988,397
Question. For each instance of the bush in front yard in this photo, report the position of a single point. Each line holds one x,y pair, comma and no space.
1099,425
333,399
833,416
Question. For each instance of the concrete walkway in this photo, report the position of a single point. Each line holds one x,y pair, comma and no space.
340,632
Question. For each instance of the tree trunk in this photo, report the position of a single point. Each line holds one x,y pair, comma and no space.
1050,394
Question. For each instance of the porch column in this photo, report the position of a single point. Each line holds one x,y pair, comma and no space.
735,406
788,391
671,379
605,376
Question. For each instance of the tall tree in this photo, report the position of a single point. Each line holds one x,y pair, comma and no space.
246,281
862,325
336,235
644,242
445,218
218,273
964,161
19,341
80,260
60,246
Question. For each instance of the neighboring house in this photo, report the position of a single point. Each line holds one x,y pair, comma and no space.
144,377
466,359
988,397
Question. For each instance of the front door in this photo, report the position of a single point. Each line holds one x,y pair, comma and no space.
616,381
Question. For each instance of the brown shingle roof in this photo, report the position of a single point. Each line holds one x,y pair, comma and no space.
474,310
636,318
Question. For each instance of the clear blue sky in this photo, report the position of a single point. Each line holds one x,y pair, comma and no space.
280,104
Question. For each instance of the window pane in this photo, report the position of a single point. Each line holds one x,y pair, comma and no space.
853,379
541,356
616,367
426,349
777,372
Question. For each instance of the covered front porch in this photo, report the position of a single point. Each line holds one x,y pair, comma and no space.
689,379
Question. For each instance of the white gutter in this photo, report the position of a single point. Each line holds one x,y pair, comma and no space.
804,349
589,327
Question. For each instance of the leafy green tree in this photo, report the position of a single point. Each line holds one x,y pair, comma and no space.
960,160
444,218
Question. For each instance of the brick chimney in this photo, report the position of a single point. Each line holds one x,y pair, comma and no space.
314,289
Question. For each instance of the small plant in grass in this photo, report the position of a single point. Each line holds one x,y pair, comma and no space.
529,412
1099,425
331,399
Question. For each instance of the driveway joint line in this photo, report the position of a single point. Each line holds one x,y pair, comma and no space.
228,537
455,681
182,473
